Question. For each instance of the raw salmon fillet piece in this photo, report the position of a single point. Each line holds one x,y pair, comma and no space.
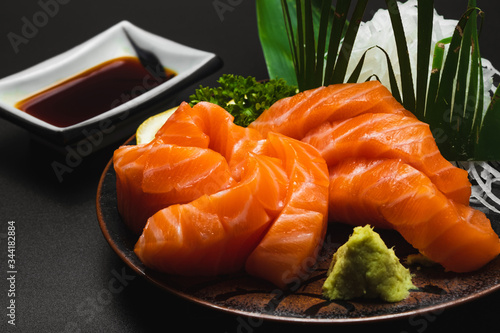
384,135
198,151
208,125
390,193
151,177
296,115
363,120
290,246
215,233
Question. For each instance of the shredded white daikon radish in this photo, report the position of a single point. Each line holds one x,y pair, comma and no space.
378,32
485,179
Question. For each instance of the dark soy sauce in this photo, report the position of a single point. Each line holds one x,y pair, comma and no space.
96,90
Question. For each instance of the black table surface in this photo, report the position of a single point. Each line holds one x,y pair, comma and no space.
65,268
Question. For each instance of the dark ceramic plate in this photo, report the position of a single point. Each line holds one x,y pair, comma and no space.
245,295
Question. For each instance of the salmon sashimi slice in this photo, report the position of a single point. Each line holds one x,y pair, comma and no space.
128,162
296,115
214,234
197,151
154,176
184,129
208,125
290,246
379,135
391,193
184,173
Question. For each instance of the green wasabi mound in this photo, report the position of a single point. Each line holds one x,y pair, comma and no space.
365,267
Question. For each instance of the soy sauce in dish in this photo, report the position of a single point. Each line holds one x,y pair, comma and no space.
92,92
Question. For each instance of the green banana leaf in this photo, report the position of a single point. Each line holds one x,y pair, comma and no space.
274,37
274,41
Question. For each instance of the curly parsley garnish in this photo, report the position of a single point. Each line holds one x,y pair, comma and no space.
244,98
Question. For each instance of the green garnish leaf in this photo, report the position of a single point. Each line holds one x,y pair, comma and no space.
407,88
392,77
425,11
344,55
243,97
487,148
274,40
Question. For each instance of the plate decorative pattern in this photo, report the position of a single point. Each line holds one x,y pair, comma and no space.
244,295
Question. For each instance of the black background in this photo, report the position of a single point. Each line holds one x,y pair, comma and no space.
64,263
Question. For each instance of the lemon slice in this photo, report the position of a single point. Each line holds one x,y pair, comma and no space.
147,130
